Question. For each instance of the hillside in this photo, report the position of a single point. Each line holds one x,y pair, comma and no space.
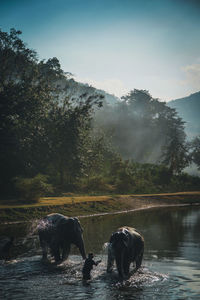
75,89
188,109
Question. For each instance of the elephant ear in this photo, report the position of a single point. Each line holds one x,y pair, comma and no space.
113,237
76,221
71,223
65,227
75,225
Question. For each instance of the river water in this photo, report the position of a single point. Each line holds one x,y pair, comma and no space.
170,269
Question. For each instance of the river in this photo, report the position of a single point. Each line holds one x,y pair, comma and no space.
170,268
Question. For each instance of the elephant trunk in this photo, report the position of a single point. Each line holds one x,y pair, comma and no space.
120,263
82,248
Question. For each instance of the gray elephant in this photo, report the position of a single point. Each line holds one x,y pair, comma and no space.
126,245
58,232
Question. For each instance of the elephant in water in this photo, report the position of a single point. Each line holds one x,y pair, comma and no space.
58,232
126,245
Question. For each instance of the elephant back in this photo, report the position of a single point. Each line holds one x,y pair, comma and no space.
67,227
51,222
56,218
132,231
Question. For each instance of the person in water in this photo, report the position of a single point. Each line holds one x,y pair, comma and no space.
88,266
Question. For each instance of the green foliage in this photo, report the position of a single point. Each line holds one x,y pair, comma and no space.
95,184
137,145
146,130
175,151
124,180
41,130
195,151
27,92
184,182
31,189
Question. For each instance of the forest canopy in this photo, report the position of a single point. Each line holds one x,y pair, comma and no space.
73,141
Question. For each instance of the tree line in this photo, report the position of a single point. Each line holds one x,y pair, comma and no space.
52,141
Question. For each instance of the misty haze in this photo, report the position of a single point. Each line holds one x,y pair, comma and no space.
99,149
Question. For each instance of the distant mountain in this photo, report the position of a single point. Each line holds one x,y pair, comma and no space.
188,109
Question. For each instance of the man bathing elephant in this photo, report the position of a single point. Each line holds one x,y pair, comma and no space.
58,232
126,246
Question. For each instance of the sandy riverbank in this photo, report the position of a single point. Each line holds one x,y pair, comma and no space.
91,205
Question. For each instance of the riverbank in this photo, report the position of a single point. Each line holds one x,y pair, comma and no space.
90,205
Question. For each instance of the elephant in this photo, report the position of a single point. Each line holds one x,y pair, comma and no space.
58,232
126,245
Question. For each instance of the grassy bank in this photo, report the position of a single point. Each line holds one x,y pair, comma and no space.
86,205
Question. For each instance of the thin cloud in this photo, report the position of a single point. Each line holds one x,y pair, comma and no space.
192,76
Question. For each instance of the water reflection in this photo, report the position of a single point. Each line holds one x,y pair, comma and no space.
164,230
171,265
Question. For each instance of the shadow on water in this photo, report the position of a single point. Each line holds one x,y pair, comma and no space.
171,265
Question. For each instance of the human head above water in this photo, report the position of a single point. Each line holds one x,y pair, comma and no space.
90,255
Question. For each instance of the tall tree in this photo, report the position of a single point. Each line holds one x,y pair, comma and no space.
68,126
195,151
175,150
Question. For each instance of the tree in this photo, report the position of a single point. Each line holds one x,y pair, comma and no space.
31,189
147,130
97,154
175,150
40,127
27,90
195,151
140,103
68,126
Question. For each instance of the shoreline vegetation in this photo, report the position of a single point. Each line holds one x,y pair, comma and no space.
59,136
74,205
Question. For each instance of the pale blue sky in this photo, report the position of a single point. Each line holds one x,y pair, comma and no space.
116,45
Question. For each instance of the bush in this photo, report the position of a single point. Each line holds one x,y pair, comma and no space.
124,182
96,184
31,189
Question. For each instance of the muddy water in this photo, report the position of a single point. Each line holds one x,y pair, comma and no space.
171,265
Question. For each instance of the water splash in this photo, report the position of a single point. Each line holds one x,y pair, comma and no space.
44,224
105,246
140,278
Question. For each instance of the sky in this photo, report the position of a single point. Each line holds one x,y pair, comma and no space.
115,45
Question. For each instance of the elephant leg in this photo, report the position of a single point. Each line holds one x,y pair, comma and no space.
126,267
110,261
120,267
44,246
65,252
55,250
139,260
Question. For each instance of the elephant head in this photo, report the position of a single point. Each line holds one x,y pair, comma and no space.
119,242
126,246
74,233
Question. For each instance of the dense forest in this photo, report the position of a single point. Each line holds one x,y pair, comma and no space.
59,137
